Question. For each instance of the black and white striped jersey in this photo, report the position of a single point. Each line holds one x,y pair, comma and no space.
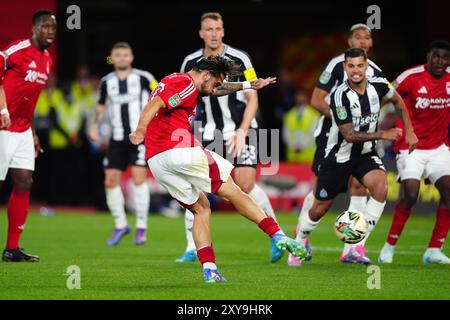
224,113
332,77
125,99
363,111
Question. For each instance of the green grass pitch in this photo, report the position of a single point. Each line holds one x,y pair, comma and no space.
150,272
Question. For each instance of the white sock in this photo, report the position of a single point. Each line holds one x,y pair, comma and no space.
189,224
307,205
357,203
210,265
262,200
116,204
279,233
141,198
373,212
306,226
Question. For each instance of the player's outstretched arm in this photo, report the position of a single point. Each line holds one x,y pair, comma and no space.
149,112
5,120
410,138
350,135
230,87
319,103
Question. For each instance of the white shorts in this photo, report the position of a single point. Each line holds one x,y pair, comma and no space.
16,151
187,172
429,164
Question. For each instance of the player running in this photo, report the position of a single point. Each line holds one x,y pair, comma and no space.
225,123
185,168
124,93
24,69
426,91
360,37
350,150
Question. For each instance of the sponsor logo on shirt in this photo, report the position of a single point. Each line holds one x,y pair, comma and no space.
423,90
363,121
436,103
34,76
124,98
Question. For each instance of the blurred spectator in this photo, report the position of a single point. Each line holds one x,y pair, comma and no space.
84,94
83,90
298,129
285,95
66,125
50,96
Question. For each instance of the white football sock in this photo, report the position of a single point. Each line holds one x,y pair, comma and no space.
262,200
373,212
210,265
141,199
306,226
189,224
307,205
116,204
357,203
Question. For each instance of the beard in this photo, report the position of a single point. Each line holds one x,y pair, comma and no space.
204,90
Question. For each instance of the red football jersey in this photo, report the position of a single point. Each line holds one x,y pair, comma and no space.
428,102
24,70
171,127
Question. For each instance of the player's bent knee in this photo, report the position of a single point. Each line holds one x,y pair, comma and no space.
380,191
357,189
247,186
139,180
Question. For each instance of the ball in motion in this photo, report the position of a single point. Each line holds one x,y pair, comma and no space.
351,226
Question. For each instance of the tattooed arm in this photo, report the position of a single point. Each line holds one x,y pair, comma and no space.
230,87
350,135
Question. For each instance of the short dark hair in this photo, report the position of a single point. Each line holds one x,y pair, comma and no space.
439,44
121,45
217,66
37,16
354,53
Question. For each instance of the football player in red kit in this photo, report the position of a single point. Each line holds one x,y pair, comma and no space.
426,92
187,170
24,69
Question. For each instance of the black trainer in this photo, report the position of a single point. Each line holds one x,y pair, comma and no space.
18,255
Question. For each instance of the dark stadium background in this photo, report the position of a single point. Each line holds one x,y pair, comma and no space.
273,33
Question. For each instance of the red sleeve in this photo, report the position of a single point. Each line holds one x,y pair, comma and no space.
175,92
2,66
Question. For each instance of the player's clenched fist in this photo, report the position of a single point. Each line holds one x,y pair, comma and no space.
392,134
137,137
